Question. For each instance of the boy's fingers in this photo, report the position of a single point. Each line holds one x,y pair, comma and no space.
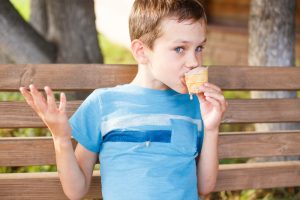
204,89
63,102
27,96
213,86
201,97
219,98
213,101
50,98
208,87
38,99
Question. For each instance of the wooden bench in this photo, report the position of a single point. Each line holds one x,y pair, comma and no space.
86,77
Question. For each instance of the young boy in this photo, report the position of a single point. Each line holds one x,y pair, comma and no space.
148,134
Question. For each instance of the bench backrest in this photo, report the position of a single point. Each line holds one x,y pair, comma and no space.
86,77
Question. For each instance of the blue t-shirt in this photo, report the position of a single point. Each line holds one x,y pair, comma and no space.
147,141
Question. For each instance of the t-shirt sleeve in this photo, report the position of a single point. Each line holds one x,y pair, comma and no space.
86,123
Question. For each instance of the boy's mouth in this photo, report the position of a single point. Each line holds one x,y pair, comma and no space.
182,79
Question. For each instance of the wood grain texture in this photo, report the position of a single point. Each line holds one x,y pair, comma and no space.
46,185
255,144
41,185
258,175
68,77
262,110
20,115
27,151
65,76
255,78
40,151
91,76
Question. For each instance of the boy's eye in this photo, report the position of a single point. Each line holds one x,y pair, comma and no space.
179,49
199,48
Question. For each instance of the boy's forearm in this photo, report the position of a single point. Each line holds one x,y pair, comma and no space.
71,176
208,162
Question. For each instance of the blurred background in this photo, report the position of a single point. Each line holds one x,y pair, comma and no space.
44,31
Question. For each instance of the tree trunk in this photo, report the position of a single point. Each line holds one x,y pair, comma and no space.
272,43
70,24
19,42
64,32
61,31
38,16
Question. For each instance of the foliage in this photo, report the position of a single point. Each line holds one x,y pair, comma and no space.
44,168
10,96
23,7
259,194
114,53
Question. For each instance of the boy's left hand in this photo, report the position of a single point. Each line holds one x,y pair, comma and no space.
213,106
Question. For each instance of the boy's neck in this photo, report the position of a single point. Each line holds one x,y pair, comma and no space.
144,78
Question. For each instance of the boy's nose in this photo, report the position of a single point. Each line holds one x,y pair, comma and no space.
192,61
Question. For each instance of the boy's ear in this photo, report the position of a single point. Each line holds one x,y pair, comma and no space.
139,49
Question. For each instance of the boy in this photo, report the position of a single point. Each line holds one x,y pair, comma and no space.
148,133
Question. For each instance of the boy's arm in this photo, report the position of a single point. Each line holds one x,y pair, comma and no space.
213,106
75,169
208,163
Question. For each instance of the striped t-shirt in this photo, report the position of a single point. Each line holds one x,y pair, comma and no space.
147,141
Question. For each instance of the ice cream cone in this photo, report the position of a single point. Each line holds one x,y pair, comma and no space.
195,78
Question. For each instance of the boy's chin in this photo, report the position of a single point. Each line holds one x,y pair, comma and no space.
181,90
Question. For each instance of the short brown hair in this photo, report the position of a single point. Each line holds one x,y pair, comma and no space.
146,16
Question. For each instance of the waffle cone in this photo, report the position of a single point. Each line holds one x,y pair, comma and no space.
195,79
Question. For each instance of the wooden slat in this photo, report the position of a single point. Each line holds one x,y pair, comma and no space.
20,115
91,76
38,186
262,110
258,175
65,76
27,151
256,78
40,151
255,144
231,177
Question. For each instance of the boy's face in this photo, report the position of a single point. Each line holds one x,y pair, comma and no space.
176,52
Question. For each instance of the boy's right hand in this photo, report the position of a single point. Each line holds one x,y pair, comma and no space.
54,117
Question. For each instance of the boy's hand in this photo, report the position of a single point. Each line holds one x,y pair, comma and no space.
55,118
213,106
